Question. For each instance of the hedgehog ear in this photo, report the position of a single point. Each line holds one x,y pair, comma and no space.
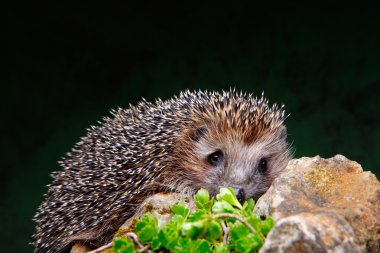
199,133
283,133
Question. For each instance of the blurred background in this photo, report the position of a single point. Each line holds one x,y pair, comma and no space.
64,67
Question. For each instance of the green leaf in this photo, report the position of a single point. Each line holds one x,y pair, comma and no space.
267,225
222,207
214,231
255,222
220,248
238,230
182,246
169,234
146,220
204,247
249,205
201,198
194,229
146,228
168,238
199,214
243,244
258,241
163,238
228,195
176,220
123,245
247,244
180,209
146,234
155,243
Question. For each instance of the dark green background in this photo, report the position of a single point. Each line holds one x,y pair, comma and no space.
64,67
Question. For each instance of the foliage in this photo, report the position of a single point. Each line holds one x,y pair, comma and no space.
220,225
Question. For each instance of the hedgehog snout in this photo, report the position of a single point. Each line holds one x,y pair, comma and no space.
240,194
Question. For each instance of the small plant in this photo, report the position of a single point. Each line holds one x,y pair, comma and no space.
220,225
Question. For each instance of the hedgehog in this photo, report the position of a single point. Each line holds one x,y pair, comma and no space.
194,140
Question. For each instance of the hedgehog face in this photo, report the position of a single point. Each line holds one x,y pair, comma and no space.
231,158
249,167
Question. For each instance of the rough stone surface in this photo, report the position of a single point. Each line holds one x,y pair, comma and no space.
323,205
79,248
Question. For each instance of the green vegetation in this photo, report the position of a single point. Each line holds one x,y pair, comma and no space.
220,225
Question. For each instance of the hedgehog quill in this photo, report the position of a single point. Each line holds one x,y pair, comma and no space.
196,140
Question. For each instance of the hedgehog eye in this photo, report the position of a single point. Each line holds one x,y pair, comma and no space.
263,165
215,158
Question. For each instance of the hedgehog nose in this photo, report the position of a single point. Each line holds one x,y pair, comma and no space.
240,194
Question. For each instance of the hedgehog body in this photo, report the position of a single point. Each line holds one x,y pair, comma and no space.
197,140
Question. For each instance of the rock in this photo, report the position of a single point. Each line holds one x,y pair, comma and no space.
323,205
79,248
